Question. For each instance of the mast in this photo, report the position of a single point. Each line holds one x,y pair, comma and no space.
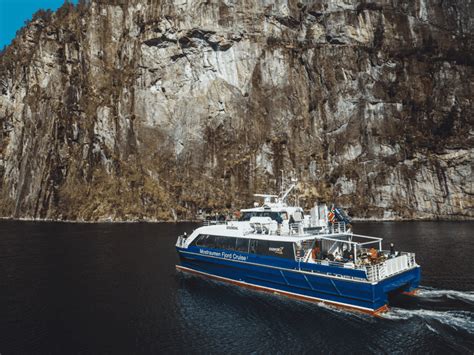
284,193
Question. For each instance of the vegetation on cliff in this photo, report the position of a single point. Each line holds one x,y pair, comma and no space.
129,109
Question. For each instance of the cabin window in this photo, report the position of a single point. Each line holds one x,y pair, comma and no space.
253,246
205,241
242,245
262,247
227,243
219,242
272,248
245,216
273,215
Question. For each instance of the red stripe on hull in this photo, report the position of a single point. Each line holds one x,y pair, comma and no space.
411,293
279,292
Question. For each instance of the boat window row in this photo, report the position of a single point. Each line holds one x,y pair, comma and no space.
276,216
253,246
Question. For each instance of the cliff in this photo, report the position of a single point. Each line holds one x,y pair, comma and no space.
128,109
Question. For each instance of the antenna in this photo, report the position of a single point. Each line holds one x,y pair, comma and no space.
292,184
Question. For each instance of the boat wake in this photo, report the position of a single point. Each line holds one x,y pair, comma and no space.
438,309
459,320
432,293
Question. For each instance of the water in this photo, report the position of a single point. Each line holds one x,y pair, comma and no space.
113,288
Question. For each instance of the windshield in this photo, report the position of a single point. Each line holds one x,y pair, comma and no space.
276,216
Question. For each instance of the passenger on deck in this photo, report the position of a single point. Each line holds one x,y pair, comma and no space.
292,220
279,221
346,254
392,250
373,253
364,258
315,253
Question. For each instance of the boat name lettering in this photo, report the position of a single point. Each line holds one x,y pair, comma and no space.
223,254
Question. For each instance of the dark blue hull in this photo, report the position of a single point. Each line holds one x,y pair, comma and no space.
335,285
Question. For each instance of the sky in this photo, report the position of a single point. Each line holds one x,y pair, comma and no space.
14,13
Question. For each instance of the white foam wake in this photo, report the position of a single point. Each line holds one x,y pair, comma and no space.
456,319
435,293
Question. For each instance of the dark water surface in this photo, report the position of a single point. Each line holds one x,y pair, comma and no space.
113,288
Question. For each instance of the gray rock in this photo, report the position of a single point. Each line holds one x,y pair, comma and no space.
129,110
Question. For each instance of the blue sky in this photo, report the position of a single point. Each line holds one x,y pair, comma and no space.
13,14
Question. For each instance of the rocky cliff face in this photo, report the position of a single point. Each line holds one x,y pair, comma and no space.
135,109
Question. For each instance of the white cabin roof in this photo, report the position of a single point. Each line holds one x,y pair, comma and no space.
243,230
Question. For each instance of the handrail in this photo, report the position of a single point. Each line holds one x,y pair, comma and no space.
296,228
338,227
366,236
403,261
181,242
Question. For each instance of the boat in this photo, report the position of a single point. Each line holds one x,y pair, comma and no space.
275,247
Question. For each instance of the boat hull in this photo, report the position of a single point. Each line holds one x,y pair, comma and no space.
299,280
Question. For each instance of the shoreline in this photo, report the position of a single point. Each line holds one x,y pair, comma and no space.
104,221
110,221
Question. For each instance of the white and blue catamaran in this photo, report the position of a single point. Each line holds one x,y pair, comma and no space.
316,257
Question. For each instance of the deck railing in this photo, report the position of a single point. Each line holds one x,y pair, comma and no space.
296,228
375,272
181,242
338,227
389,267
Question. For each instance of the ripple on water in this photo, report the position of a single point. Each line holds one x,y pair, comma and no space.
114,289
461,320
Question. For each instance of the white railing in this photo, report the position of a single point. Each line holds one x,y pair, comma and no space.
390,267
296,228
334,263
411,259
338,227
181,242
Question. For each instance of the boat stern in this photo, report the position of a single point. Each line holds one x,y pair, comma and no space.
406,282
